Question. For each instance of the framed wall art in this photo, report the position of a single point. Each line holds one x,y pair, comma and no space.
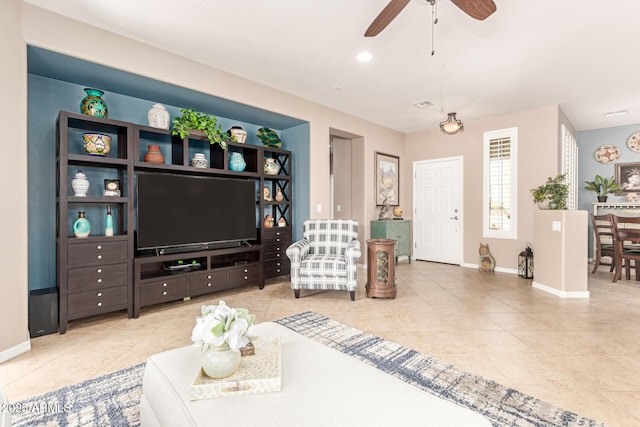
628,176
387,175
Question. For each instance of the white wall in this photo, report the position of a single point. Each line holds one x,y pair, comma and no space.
14,334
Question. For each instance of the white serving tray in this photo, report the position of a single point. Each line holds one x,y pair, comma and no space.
259,373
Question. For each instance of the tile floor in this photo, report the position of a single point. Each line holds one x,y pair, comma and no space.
582,355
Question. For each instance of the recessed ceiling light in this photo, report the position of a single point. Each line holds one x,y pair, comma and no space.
364,56
615,113
336,87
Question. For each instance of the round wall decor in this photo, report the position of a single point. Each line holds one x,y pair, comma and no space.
634,142
607,154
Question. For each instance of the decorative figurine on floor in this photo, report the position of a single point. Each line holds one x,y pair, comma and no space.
382,216
487,262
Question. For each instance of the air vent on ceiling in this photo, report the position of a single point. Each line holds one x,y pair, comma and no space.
424,104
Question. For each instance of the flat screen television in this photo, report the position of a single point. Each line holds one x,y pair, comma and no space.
183,211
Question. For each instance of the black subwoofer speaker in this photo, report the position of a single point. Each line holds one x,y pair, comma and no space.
43,312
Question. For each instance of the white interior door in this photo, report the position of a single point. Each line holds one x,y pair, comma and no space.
437,216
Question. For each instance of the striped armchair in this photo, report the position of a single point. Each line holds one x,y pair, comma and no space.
327,256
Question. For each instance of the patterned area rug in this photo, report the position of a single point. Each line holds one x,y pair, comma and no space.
109,400
501,405
112,400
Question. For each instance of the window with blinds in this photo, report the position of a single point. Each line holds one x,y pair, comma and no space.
500,185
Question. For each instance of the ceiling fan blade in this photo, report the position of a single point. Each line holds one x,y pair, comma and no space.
387,15
478,9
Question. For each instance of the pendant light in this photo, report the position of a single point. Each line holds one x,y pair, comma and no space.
452,125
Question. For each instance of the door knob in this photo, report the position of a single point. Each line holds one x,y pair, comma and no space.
454,217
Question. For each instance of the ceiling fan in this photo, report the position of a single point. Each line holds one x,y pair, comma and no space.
478,9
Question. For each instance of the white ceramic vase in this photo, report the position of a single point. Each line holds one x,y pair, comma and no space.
220,362
271,167
80,184
158,117
199,161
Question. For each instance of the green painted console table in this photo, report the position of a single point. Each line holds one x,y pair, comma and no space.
399,230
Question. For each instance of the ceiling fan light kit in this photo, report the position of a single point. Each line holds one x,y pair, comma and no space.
452,125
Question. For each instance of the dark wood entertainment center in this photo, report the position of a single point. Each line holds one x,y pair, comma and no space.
100,274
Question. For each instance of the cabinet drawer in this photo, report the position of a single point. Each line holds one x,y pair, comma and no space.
83,253
208,282
168,289
276,268
99,277
246,273
275,251
276,235
102,300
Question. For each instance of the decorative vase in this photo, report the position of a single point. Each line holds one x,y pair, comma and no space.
108,223
82,226
236,162
80,184
271,167
96,144
239,133
154,155
158,117
199,161
220,362
279,195
544,204
93,104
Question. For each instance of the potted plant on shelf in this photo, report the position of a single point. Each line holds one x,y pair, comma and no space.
552,194
191,120
602,186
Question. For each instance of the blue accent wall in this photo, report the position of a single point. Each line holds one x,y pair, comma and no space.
48,96
588,143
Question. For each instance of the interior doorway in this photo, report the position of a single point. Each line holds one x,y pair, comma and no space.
341,174
438,214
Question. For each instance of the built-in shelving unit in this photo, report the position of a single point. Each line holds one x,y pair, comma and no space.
100,274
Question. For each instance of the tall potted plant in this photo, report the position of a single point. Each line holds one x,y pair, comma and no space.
191,120
552,194
602,186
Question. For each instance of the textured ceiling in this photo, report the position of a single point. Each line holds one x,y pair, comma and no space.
579,54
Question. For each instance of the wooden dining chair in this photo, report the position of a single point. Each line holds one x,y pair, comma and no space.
603,235
626,237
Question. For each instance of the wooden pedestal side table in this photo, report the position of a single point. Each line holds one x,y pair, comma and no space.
381,268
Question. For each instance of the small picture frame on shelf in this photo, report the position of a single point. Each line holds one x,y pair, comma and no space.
112,187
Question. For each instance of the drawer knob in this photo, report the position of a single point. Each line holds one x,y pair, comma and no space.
99,247
209,284
164,293
99,256
277,255
99,270
99,304
99,280
278,270
246,271
209,276
278,264
164,284
277,240
99,294
245,277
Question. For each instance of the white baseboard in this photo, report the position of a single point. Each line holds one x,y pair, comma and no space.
498,269
14,351
559,293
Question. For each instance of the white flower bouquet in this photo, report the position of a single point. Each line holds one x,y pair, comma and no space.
220,324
